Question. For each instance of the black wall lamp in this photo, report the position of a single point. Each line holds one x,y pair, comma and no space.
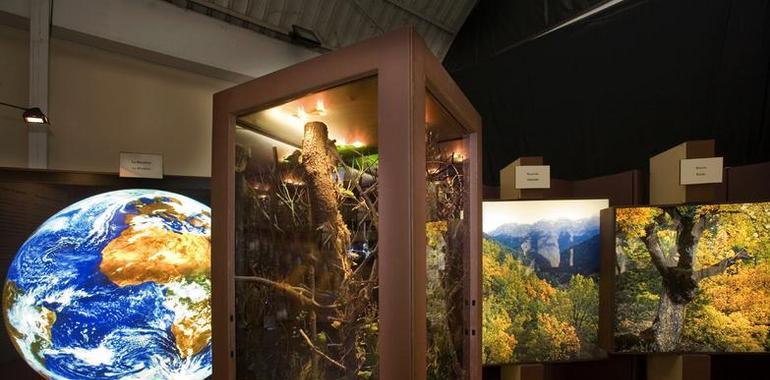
33,115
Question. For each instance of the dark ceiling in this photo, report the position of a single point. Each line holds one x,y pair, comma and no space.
495,26
602,95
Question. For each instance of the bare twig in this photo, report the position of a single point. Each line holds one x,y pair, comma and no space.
319,352
294,291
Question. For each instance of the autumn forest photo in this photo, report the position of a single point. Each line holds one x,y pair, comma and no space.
693,278
540,281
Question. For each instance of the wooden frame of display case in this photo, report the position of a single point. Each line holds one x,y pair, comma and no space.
406,72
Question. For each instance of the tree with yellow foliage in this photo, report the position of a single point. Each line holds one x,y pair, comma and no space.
527,319
705,266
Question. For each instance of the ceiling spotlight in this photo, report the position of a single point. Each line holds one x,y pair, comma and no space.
32,115
320,109
301,114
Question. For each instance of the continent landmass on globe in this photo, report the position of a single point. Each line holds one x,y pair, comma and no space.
182,262
42,339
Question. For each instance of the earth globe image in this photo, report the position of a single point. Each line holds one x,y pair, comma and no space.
116,286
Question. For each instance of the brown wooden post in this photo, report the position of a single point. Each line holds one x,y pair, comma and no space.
607,283
401,237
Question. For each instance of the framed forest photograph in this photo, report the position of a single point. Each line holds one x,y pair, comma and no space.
692,278
540,280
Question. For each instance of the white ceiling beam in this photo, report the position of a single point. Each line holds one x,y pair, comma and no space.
39,28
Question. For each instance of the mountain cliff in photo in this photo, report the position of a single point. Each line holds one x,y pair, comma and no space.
554,247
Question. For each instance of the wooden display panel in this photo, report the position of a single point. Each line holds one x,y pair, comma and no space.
523,372
748,183
623,188
678,367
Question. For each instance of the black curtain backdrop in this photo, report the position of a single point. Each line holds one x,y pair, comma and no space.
603,95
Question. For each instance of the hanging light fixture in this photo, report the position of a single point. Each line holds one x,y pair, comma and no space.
33,115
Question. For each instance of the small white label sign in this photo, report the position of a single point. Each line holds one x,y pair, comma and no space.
533,177
697,171
141,165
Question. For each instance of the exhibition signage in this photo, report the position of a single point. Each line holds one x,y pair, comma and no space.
697,171
533,177
141,165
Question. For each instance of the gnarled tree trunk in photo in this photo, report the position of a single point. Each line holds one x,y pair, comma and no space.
679,277
667,328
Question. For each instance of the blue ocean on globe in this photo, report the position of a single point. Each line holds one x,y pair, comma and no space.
116,286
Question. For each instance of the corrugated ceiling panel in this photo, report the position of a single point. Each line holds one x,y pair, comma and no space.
295,8
309,15
340,23
273,14
322,22
456,14
354,27
259,9
239,6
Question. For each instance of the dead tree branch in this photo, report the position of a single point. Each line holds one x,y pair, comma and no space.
293,291
721,266
319,352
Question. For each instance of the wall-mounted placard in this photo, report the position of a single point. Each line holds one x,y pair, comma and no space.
697,171
141,165
533,177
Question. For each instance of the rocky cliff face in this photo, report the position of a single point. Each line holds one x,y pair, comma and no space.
544,247
562,245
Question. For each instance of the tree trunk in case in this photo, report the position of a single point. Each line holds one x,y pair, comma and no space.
318,160
319,167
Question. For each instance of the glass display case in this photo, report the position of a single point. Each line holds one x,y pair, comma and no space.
346,201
